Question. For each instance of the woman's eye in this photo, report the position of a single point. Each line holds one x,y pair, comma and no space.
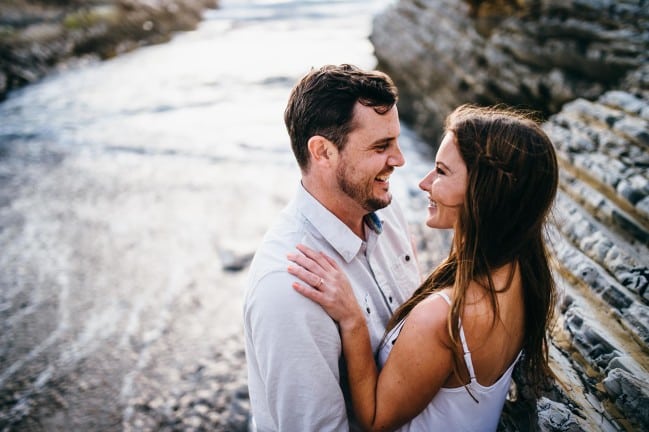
439,171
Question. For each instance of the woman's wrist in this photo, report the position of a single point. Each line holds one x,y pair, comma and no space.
353,323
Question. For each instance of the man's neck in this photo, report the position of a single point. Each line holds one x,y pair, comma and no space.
343,207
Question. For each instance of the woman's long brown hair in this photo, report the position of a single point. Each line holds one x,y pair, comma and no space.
512,182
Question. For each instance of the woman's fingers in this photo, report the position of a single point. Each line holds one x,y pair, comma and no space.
323,282
322,259
331,261
339,309
316,262
309,293
305,275
308,252
306,263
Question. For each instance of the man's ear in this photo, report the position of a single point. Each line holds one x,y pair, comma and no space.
321,149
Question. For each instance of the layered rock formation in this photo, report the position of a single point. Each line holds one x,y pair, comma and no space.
600,244
36,35
584,65
535,53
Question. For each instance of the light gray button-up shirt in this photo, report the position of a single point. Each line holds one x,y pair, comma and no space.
293,347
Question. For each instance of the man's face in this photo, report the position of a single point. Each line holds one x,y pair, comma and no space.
369,157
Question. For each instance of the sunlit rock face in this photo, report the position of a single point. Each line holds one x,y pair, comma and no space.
584,65
533,53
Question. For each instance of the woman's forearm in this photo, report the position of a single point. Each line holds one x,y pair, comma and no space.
361,370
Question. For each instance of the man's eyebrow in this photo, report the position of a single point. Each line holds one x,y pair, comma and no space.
382,141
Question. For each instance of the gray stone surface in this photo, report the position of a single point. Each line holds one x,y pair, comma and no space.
630,392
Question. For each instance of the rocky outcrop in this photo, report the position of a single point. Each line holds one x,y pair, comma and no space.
584,65
36,35
534,53
600,243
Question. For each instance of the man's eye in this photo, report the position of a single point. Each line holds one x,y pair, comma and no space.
439,171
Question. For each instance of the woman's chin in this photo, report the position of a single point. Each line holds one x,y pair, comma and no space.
436,224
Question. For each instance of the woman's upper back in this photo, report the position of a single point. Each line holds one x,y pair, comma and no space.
494,344
491,353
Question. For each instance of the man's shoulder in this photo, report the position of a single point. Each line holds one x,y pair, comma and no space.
270,255
288,230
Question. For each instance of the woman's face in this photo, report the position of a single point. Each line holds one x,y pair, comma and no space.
446,185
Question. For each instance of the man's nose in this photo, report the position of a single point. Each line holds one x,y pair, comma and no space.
397,158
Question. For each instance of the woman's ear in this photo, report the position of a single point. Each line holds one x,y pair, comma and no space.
321,149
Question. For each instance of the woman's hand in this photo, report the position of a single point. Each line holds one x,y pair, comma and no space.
327,285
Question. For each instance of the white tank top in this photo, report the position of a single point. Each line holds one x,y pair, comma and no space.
453,409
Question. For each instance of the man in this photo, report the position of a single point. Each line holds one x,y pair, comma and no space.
344,127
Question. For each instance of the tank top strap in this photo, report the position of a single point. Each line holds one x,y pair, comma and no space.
444,296
468,361
467,354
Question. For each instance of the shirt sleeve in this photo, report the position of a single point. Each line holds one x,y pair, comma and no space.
297,347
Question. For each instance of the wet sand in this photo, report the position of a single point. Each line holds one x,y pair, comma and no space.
114,293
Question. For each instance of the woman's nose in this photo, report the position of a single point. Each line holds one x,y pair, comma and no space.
425,183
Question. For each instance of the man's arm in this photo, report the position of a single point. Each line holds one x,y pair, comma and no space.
297,347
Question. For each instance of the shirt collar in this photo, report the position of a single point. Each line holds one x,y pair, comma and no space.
373,221
337,234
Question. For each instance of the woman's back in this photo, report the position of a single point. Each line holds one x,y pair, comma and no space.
490,356
493,344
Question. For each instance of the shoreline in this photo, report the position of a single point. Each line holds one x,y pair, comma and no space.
38,36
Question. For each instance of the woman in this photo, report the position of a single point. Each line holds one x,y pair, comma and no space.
449,352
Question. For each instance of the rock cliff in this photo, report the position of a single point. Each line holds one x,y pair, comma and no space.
584,65
535,53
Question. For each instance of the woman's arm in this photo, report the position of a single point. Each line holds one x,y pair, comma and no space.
418,365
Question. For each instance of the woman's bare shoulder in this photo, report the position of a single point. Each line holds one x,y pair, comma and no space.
430,315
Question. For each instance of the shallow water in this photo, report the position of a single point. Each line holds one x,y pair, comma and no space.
127,189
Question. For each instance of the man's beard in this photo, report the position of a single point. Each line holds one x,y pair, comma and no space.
359,193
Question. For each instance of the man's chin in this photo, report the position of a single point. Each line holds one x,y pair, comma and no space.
375,204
